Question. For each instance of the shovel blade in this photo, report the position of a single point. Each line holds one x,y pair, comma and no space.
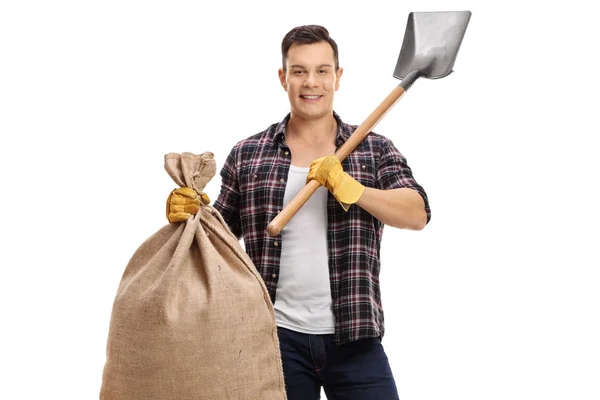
431,43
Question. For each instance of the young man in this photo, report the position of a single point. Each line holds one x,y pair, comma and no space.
322,270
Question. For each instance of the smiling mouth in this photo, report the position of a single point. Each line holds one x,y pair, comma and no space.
311,97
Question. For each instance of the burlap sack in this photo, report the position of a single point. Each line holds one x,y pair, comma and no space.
192,319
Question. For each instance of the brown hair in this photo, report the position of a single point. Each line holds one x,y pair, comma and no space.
308,34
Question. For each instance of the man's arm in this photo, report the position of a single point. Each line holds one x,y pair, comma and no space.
398,200
228,202
401,208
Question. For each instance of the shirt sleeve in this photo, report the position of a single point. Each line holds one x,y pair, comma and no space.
393,172
228,202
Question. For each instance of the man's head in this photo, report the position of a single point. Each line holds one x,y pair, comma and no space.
307,34
310,73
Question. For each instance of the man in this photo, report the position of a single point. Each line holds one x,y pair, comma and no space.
322,270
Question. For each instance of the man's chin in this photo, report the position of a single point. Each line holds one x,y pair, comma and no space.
311,115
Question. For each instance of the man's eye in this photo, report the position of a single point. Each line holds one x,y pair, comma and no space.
322,71
298,72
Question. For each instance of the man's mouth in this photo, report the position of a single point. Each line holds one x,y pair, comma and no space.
310,97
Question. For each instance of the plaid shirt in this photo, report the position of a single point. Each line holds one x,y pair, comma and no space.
253,185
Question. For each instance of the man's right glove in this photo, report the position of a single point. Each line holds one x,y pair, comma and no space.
184,202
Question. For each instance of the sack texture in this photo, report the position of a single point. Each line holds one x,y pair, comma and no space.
192,319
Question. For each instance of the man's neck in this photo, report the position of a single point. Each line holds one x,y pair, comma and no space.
321,130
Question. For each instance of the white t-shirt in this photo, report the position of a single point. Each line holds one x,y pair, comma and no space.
303,298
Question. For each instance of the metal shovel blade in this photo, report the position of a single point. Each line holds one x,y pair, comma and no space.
431,43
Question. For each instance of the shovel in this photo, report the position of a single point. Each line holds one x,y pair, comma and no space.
431,43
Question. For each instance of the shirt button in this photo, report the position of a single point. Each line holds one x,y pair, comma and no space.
282,180
255,176
287,153
274,276
278,211
275,244
364,167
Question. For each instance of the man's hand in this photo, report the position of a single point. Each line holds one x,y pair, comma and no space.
184,202
328,172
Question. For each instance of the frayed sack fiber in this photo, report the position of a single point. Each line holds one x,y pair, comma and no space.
192,319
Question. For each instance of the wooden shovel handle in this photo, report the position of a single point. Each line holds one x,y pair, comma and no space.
281,220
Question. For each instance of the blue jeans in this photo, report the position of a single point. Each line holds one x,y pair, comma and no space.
354,371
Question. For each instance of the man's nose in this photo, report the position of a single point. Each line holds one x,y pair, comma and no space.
310,80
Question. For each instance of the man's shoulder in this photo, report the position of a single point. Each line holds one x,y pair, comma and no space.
373,137
259,138
373,140
255,146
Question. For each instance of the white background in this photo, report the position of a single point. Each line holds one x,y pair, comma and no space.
498,298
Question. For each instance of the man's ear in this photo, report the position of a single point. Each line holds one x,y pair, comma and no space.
282,79
338,75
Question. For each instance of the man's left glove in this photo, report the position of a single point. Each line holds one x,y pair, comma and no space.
184,202
328,172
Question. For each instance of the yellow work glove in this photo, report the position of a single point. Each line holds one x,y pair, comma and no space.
184,202
328,172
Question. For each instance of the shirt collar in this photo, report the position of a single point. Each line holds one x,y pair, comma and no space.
343,131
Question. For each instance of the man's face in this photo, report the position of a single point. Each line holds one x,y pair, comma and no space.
310,79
